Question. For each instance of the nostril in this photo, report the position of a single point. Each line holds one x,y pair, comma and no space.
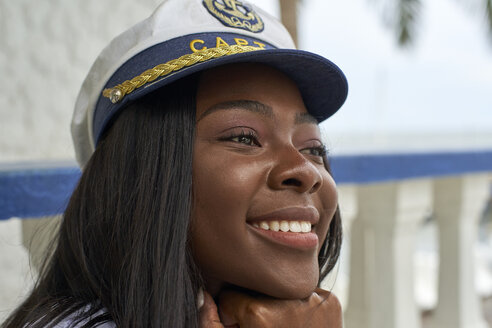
316,186
292,182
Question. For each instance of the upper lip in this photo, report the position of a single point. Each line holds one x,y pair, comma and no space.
309,214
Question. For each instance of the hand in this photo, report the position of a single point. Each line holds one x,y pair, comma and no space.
238,309
209,316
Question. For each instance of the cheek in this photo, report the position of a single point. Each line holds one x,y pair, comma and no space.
223,190
223,187
328,198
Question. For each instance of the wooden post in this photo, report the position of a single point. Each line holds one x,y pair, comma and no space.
288,12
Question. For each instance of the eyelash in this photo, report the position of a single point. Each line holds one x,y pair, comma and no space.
249,134
250,138
321,151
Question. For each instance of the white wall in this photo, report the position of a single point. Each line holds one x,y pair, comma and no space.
46,49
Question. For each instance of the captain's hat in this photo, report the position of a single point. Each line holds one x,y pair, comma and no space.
186,36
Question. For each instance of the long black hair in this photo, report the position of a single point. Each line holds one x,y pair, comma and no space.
122,253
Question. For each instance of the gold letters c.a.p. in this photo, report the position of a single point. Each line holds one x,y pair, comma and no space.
219,42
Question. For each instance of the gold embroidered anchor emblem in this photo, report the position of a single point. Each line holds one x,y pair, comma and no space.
234,13
230,6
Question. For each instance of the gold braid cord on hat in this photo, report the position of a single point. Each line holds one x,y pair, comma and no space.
116,93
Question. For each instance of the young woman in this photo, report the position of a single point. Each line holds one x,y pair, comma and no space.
206,198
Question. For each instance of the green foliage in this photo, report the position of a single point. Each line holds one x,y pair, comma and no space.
403,17
408,12
488,13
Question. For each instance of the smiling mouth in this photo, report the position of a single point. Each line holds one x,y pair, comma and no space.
296,234
292,227
284,226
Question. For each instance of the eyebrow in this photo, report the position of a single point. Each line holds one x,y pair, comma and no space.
256,107
249,105
302,118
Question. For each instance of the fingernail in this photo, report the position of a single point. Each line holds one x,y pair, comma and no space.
200,300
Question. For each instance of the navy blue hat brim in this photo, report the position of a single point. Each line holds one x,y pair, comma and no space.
322,84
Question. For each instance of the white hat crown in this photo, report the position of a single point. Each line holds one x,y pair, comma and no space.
165,36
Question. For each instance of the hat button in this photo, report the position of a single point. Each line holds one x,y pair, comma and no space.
115,95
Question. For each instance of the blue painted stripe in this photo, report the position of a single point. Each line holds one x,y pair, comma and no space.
40,189
389,167
36,192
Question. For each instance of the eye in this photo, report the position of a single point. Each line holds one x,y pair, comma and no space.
318,151
243,136
248,140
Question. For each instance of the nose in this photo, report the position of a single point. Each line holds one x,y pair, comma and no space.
294,171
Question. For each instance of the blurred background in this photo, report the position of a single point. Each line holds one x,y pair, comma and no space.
420,82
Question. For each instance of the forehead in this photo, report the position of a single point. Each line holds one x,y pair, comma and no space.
251,82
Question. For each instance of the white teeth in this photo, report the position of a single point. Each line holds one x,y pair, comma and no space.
305,226
264,225
284,226
274,225
295,226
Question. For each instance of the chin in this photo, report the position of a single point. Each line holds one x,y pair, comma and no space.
288,290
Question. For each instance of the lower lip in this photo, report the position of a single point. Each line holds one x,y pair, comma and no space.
306,240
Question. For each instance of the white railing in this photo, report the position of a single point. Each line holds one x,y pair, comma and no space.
383,210
383,220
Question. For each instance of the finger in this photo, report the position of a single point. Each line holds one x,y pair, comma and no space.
209,316
328,296
322,292
334,308
232,307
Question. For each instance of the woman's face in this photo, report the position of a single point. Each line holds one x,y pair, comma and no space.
263,199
